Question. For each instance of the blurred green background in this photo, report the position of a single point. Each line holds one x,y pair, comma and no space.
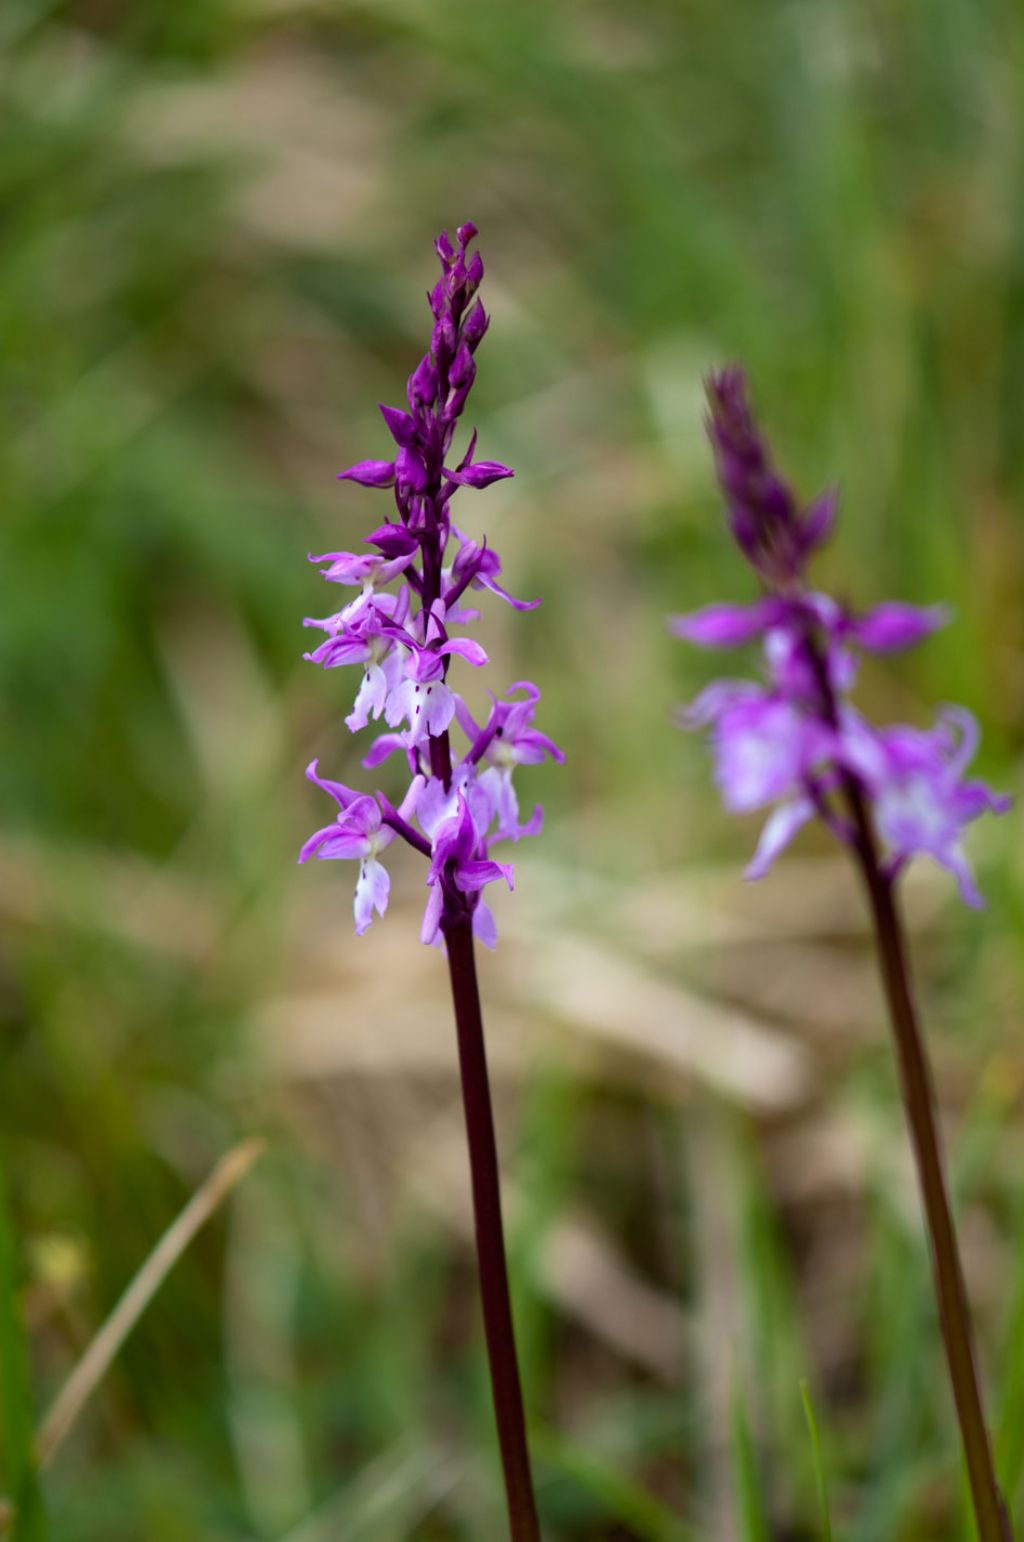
215,234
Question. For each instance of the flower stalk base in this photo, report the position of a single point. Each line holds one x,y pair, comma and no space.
919,1102
490,1241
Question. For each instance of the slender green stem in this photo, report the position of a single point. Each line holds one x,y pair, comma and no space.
490,1240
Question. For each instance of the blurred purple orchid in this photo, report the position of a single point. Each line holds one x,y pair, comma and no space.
791,740
921,797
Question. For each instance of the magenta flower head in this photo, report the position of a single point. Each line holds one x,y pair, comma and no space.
402,623
792,742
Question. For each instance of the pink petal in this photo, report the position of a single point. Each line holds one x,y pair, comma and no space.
533,826
717,698
311,847
342,795
485,928
382,747
334,842
778,831
726,626
432,915
466,648
503,594
473,875
895,625
958,865
363,815
439,708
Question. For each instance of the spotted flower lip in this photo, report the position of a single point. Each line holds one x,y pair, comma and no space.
790,741
405,628
427,708
381,678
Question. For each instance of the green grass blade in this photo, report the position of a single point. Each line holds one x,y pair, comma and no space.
19,1472
645,1515
819,1470
753,1513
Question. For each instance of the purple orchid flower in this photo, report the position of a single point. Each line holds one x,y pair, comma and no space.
790,741
366,637
479,566
405,626
406,640
459,871
507,740
423,697
922,800
366,568
358,834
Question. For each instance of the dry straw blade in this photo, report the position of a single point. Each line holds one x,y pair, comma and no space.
96,1361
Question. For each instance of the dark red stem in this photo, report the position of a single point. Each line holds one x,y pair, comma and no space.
476,1091
919,1101
490,1241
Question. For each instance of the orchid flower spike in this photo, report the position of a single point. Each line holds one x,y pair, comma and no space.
791,741
404,628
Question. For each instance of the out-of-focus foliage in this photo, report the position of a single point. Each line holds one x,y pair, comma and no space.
214,241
